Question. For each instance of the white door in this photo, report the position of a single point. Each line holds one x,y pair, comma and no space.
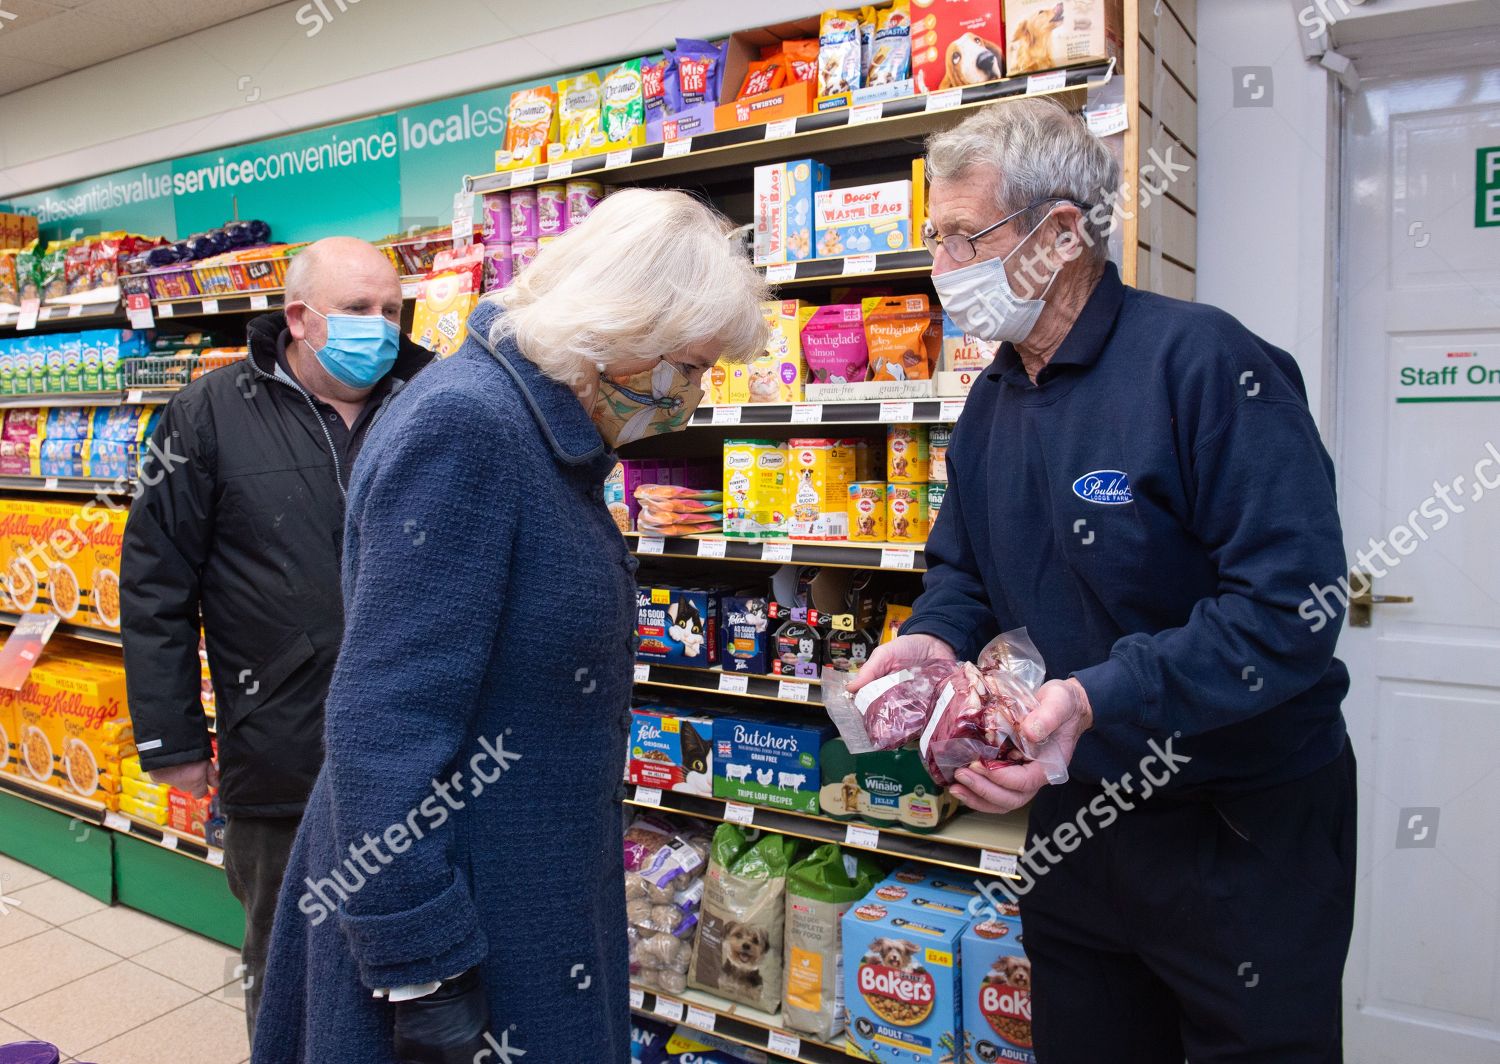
1418,445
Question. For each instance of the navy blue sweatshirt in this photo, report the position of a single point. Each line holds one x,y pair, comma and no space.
1153,510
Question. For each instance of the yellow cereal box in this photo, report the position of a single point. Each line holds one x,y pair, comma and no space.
64,556
867,511
755,489
777,375
73,725
906,513
10,738
821,472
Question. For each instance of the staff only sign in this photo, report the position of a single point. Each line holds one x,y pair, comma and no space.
1436,373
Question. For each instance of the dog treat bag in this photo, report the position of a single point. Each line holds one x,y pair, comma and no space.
819,890
738,951
833,343
840,53
896,332
802,59
700,69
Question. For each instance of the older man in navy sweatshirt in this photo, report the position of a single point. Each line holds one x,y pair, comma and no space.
1137,481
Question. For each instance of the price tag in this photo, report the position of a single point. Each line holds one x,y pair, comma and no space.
617,158
262,303
807,413
134,397
648,796
215,857
642,673
897,558
411,290
560,170
138,310
739,813
30,310
896,410
1108,119
674,149
1002,864
166,310
521,176
115,822
711,548
463,218
669,1010
865,112
168,840
791,691
949,409
50,484
651,545
700,1018
637,997
786,1044
210,306
1049,82
76,310
726,415
941,101
861,836
782,127
859,264
780,553
731,684
780,272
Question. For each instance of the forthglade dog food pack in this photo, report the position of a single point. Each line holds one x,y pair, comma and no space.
768,762
738,951
819,890
887,788
902,983
997,989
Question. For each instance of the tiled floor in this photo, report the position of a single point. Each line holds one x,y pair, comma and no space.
110,985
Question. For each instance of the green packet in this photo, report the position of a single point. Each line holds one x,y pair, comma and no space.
887,788
623,113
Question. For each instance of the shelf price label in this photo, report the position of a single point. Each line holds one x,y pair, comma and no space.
1001,864
782,127
669,1010
1108,119
781,553
115,822
166,310
700,1018
949,409
1049,82
463,219
617,158
520,177
138,310
210,306
726,415
861,836
134,397
215,856
944,99
898,558
897,410
560,170
642,672
168,840
859,264
76,310
675,149
865,112
31,309
786,1044
807,413
781,272
791,691
637,997
650,545
739,813
50,484
263,303
711,548
731,684
648,796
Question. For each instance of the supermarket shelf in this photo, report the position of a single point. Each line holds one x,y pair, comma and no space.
737,1023
168,839
77,631
54,799
813,415
973,843
84,313
65,485
226,303
132,397
846,127
735,685
890,265
836,555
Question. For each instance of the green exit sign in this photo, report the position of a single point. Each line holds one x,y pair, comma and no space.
1487,187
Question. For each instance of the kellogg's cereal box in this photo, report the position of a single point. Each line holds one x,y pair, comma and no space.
997,988
784,197
902,983
72,724
63,555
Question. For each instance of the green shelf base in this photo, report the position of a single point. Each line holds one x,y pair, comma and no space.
75,851
178,889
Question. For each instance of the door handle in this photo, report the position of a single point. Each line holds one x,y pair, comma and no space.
1364,600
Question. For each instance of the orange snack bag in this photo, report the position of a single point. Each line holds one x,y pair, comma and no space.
531,124
801,58
896,330
763,76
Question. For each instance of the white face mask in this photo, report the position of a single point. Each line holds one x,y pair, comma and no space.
979,299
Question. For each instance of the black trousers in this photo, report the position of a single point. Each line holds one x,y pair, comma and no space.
256,850
1211,931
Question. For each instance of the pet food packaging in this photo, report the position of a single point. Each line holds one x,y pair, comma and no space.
919,897
887,788
737,385
907,457
821,471
499,266
865,460
938,438
670,752
768,763
890,56
997,988
531,125
551,210
833,343
524,222
896,330
745,635
665,864
495,219
578,117
895,616
936,492
522,253
866,507
763,75
820,889
1046,34
677,626
659,92
738,950
700,72
956,43
798,647
784,201
863,219
963,353
902,982
445,299
622,109
776,376
581,198
840,53
846,648
907,518
648,1040
756,497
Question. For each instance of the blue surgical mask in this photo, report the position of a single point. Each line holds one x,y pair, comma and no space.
361,348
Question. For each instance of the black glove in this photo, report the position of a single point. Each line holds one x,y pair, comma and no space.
445,1027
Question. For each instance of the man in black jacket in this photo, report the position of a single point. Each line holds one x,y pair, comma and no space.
247,533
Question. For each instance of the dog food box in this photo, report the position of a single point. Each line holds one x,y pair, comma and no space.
768,762
887,788
902,983
1045,34
922,898
677,626
956,43
997,989
915,875
863,219
821,473
906,513
755,489
776,376
784,201
744,631
670,752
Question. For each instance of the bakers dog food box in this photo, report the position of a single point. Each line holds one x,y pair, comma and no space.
670,752
997,988
956,43
768,762
902,984
922,898
677,626
887,788
1044,34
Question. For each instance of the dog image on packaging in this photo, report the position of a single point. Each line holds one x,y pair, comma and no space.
907,517
903,984
670,752
887,788
776,376
821,472
1044,34
677,626
784,201
853,221
956,43
997,989
768,762
755,489
907,458
867,511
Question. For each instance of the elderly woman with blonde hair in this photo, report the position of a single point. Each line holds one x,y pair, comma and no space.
456,891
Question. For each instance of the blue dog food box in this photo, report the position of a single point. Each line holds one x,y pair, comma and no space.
902,984
745,639
670,751
677,626
922,898
768,762
997,988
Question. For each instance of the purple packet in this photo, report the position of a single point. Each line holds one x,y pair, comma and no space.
833,345
700,72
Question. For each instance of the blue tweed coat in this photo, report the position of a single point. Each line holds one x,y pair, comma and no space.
475,732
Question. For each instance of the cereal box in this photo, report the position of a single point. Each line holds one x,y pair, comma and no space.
677,626
10,738
821,472
756,496
768,762
866,218
997,989
902,983
72,724
670,752
784,199
1043,34
62,555
777,375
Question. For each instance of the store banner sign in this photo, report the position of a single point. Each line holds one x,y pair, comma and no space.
1441,374
1487,187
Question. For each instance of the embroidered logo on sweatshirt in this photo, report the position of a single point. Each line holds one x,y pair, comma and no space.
1107,487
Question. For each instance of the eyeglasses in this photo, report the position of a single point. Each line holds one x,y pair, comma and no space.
961,248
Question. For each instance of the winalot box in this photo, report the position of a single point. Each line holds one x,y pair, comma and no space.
997,988
902,984
677,626
784,199
768,763
866,218
670,752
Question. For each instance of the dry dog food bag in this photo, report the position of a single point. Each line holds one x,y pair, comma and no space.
819,890
737,953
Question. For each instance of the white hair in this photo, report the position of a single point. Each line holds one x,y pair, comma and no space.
649,273
1038,151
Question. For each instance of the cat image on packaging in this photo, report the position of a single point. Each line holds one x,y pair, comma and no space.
755,489
776,376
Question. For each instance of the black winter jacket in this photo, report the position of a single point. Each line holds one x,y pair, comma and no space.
246,528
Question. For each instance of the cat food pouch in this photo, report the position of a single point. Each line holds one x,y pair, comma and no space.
531,124
578,108
622,110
